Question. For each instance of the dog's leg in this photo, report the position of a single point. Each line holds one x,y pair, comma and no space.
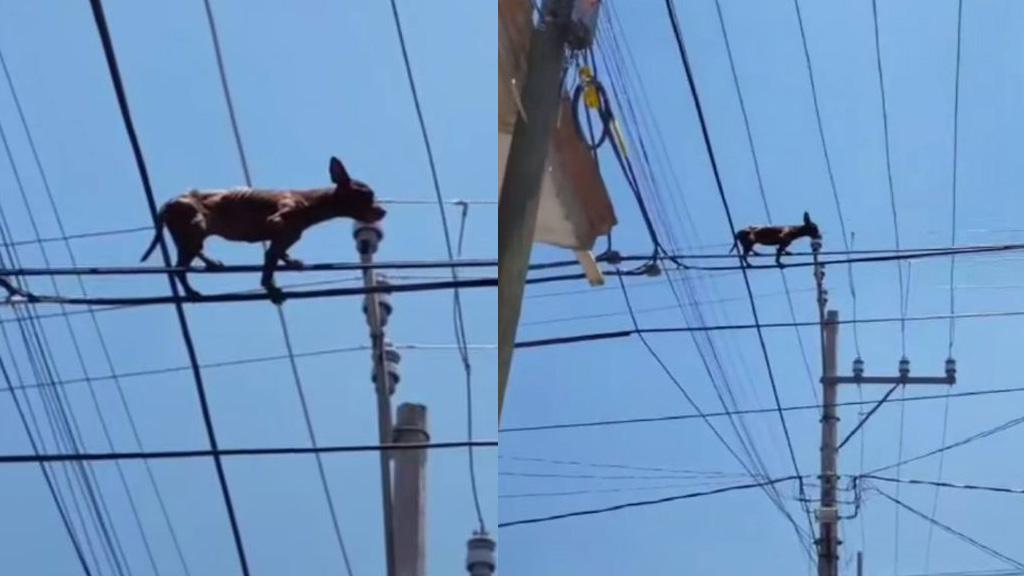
278,250
185,258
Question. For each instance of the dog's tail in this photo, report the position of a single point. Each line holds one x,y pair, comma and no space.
156,234
735,242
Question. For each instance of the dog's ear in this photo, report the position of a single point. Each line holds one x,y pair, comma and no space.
339,175
807,219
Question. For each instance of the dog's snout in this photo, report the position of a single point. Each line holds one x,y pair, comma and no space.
379,213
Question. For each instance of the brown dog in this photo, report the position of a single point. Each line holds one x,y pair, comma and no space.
248,215
780,236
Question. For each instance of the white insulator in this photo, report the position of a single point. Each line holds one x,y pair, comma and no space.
480,557
392,358
384,306
368,236
904,367
858,367
950,368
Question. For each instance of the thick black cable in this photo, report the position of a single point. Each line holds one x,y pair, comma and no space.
235,452
115,76
864,419
614,334
642,503
178,300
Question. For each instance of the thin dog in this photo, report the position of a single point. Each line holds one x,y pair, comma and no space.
248,215
779,236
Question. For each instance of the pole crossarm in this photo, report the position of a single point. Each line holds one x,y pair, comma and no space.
893,380
236,452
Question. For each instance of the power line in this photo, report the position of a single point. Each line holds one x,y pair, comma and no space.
975,487
682,417
677,32
643,503
946,447
255,360
236,268
952,269
235,452
115,76
610,335
987,550
178,300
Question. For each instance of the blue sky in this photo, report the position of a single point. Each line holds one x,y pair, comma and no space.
617,379
310,80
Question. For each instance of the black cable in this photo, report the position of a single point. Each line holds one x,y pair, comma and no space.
987,550
642,503
860,424
675,381
974,487
946,447
679,417
764,196
178,300
595,336
115,76
236,268
234,452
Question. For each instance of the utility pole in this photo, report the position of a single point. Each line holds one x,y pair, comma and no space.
410,502
562,24
828,513
377,308
860,563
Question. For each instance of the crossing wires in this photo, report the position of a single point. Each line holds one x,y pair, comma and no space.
122,99
952,271
746,279
457,316
292,362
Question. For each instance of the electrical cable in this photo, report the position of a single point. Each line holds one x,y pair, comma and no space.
946,447
115,76
642,503
458,319
805,407
987,550
595,336
764,196
293,364
691,313
236,452
677,32
952,272
675,381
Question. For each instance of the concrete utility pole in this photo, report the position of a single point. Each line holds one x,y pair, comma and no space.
828,513
410,491
562,24
860,563
377,308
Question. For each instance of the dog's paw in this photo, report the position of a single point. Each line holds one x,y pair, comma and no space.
215,265
295,263
275,295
